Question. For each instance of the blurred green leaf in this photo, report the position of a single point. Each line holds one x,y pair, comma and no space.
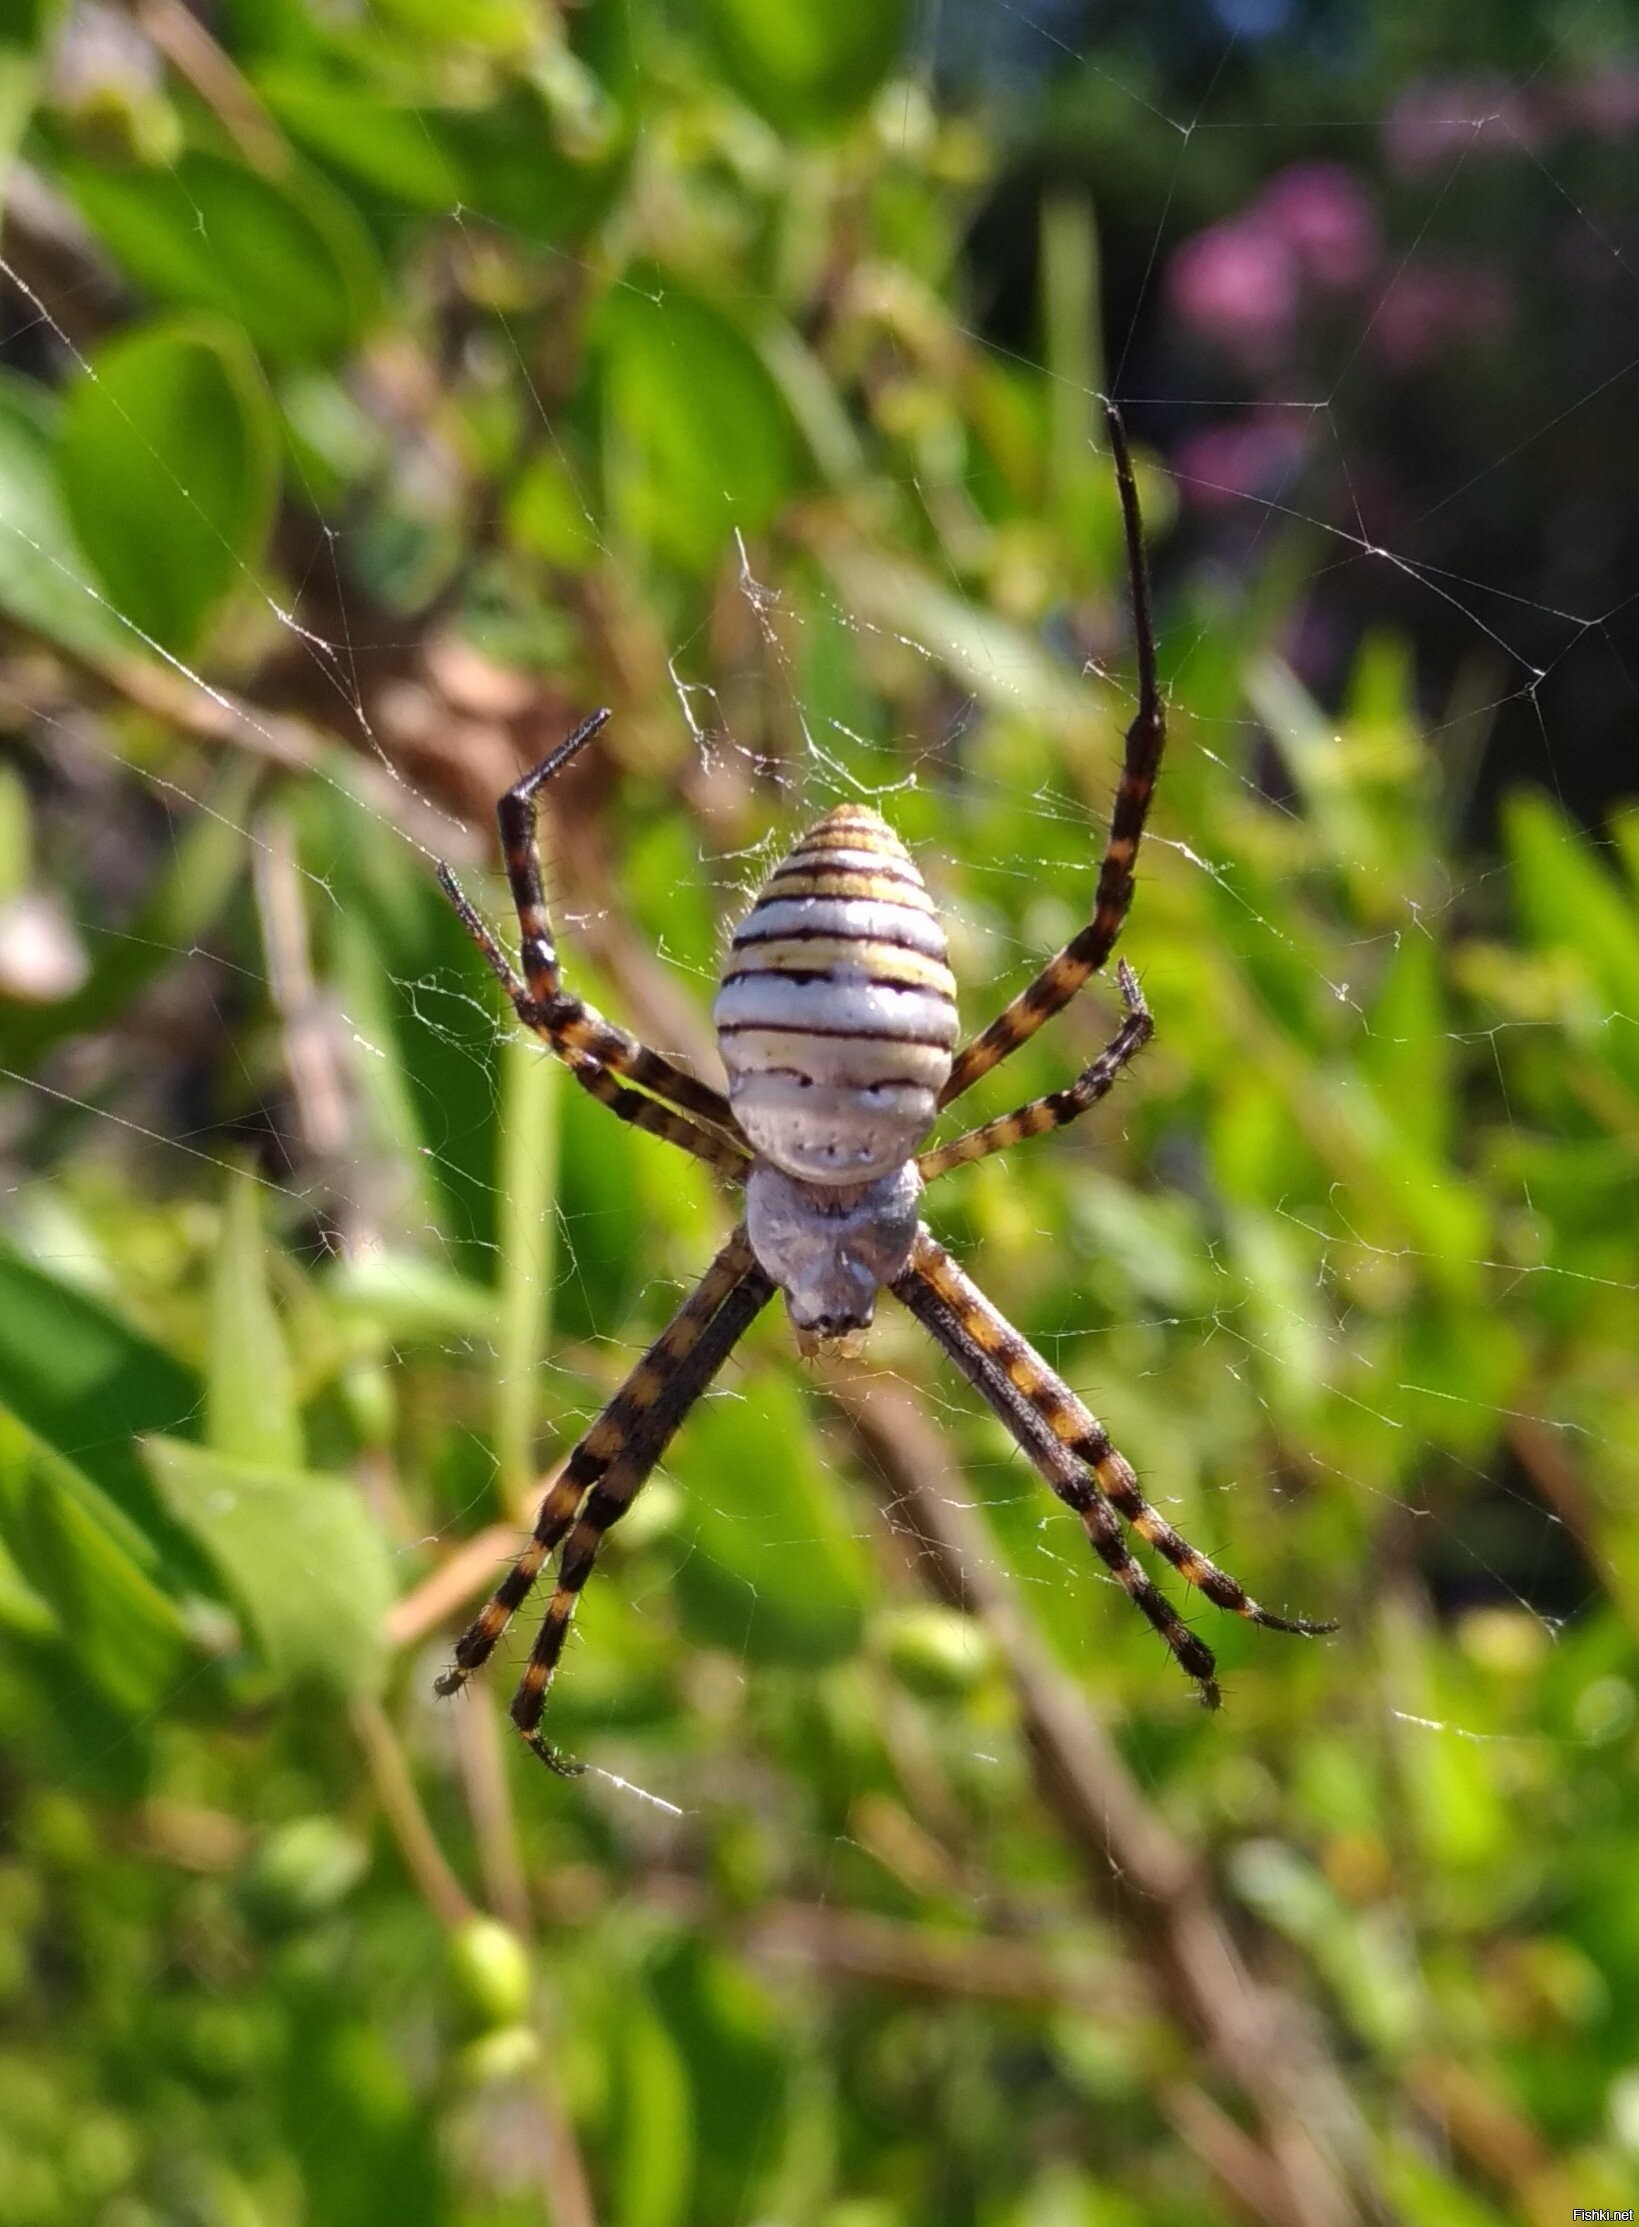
393,147
88,1385
726,2035
121,1631
702,443
289,261
45,582
300,1553
811,63
169,465
1570,899
250,1399
655,2140
515,173
772,1571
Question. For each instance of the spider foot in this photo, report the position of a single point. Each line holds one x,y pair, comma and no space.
560,1765
1132,997
1302,1627
450,1681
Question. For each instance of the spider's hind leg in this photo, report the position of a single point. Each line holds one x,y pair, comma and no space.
1073,1452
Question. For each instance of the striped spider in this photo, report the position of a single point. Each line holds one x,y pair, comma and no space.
836,1018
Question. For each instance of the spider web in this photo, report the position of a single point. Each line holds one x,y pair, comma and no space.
1234,511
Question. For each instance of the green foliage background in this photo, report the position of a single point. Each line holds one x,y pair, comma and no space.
382,391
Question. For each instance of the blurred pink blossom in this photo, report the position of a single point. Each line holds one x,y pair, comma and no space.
1443,118
1325,216
1606,101
1247,459
1429,305
1237,284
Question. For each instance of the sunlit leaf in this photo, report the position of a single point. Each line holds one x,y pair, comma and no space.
169,467
808,64
250,1399
390,147
289,261
45,581
702,443
119,1628
301,1555
87,1384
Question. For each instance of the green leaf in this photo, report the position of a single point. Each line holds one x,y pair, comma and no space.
655,2140
118,1627
387,146
250,1400
809,63
701,442
169,464
87,1384
45,583
290,260
771,1572
1569,899
514,172
300,1554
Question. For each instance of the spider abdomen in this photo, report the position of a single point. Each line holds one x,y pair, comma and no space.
837,1012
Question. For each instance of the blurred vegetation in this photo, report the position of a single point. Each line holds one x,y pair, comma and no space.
380,391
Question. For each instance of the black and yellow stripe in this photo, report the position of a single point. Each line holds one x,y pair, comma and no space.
1059,1106
1073,1452
632,1431
1086,952
837,1010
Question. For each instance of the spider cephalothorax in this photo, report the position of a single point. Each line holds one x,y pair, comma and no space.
837,1024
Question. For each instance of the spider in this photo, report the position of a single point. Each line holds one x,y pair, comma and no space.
836,1019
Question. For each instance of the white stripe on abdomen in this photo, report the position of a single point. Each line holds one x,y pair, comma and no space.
837,1014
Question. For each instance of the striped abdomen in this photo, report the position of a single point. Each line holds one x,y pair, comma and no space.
837,1014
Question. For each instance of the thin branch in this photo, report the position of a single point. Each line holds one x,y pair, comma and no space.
424,1860
489,1805
1148,1879
469,1571
220,84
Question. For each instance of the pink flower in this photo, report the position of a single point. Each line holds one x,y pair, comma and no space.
1237,284
1429,305
1325,216
1247,459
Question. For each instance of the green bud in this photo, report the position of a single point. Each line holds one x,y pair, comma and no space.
936,1652
505,2054
491,1970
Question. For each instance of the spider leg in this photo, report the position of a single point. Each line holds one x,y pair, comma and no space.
659,1120
1008,1372
1067,1477
566,1019
635,1426
1059,1106
622,1479
1085,953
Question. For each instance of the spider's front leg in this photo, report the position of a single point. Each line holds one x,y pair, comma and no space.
1074,1454
580,1035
